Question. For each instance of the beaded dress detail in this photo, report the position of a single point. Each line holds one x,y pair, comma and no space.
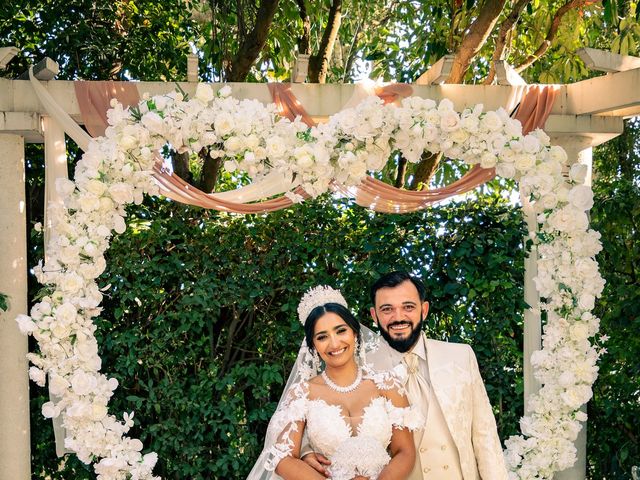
355,445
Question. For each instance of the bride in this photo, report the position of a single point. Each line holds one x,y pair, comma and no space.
357,418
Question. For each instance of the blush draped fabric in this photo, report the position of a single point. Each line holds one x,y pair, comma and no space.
94,100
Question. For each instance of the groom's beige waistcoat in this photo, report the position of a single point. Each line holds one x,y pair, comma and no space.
460,439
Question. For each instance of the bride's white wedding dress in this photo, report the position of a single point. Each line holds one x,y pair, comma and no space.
356,445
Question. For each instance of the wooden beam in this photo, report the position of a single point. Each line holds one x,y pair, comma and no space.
605,61
438,72
192,67
46,69
614,94
6,55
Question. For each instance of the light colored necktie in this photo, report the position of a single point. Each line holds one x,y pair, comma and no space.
418,391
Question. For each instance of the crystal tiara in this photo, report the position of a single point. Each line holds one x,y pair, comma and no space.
320,295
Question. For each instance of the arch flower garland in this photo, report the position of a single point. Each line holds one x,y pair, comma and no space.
117,170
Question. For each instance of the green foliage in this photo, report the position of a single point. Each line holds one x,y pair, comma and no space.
614,446
199,325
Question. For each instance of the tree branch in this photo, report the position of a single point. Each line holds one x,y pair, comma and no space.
319,63
501,41
253,43
551,34
473,41
305,39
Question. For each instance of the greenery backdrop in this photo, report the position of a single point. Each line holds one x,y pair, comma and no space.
199,323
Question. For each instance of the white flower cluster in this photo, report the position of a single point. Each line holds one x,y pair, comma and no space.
116,170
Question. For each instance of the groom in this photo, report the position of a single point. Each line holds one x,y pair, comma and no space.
460,440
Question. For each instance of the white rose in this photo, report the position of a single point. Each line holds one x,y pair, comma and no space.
71,282
98,412
549,201
581,196
60,330
64,187
223,124
128,142
579,331
96,187
470,123
121,193
586,301
83,383
491,121
119,224
449,121
89,202
38,376
57,385
233,144
506,170
524,161
531,144
558,154
275,147
66,312
153,122
49,410
488,160
204,93
25,324
578,173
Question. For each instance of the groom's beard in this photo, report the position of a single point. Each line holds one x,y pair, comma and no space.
402,345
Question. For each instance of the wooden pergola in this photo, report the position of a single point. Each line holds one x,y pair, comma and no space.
585,114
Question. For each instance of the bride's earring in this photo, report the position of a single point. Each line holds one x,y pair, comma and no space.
315,359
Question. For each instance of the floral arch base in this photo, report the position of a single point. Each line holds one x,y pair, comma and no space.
117,169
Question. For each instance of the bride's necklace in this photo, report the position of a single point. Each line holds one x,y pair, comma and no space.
338,388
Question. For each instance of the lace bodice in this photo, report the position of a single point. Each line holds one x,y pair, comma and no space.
355,445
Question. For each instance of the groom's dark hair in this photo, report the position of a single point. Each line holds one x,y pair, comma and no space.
393,279
319,311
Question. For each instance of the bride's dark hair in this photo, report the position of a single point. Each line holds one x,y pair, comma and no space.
319,311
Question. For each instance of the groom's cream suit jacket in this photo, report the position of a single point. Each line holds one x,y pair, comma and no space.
462,407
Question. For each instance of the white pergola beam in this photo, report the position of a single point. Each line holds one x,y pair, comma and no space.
605,61
45,70
24,124
6,55
615,94
300,68
438,72
507,75
192,67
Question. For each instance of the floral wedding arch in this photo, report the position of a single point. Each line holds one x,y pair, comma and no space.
117,169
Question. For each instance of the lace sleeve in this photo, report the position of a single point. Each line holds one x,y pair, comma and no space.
388,379
401,414
285,423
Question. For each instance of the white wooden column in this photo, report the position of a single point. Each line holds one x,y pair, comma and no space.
579,150
532,320
15,453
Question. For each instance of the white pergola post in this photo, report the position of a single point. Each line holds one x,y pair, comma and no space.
579,150
15,453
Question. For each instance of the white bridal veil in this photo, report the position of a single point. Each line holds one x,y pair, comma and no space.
303,370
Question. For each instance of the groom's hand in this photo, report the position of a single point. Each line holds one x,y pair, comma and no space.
317,462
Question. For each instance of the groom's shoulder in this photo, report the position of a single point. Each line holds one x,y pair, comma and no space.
451,347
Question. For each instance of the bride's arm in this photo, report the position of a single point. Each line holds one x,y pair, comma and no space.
402,448
291,467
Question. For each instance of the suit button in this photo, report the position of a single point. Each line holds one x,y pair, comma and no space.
443,448
426,470
445,467
422,450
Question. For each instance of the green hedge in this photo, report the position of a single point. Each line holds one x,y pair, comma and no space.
199,324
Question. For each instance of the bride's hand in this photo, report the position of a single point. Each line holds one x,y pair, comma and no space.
317,462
